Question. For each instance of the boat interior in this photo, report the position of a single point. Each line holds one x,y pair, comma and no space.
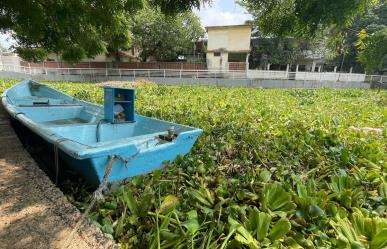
81,121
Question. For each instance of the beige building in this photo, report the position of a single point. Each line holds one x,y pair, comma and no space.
228,47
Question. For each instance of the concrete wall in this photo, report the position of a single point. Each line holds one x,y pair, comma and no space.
11,61
265,83
266,74
225,39
330,76
230,38
217,62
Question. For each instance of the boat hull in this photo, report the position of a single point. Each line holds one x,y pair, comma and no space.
84,142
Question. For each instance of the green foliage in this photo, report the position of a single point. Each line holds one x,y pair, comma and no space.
274,168
354,40
289,50
373,52
76,29
32,54
165,37
276,199
303,18
360,231
274,51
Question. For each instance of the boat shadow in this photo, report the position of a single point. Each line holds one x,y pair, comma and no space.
34,213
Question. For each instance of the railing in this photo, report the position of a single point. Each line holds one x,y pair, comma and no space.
128,73
116,73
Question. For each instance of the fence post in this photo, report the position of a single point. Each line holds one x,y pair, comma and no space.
287,71
119,71
180,73
134,73
197,74
148,73
164,73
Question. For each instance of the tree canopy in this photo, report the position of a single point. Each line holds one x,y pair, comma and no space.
303,18
373,50
368,23
76,29
164,37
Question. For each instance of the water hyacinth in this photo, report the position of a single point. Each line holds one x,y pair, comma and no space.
274,168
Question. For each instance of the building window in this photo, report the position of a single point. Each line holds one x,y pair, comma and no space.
216,53
237,57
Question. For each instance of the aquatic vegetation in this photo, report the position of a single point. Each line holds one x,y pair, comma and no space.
274,168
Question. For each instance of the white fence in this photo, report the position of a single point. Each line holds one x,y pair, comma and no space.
98,73
345,77
266,74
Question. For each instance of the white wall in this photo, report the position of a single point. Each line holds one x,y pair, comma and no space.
226,39
265,74
230,38
330,76
217,62
10,60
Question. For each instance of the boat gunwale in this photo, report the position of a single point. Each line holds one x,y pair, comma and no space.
75,148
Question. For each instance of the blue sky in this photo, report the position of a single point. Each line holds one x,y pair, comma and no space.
220,12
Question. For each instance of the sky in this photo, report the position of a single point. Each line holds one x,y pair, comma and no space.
5,40
220,12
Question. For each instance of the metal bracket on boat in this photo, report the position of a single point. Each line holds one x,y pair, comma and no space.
170,136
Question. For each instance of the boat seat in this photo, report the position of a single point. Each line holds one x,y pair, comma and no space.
48,105
35,100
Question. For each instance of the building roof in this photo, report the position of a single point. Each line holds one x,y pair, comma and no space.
227,26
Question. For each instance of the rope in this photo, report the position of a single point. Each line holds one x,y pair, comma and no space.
98,193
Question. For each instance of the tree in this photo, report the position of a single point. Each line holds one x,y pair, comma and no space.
303,18
373,20
75,29
165,37
274,51
286,50
373,50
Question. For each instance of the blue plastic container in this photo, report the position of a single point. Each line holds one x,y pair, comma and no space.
119,104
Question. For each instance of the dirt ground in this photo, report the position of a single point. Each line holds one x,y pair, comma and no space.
33,212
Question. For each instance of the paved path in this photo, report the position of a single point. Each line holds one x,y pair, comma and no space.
33,212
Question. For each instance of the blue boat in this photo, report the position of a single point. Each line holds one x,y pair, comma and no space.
87,136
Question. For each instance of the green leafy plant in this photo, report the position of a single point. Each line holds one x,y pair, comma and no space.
274,168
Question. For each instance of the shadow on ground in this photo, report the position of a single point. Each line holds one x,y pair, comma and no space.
33,212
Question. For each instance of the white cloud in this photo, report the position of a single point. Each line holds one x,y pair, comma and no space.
6,40
220,14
